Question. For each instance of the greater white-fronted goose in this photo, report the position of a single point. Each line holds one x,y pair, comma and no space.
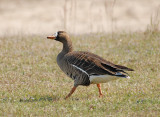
85,68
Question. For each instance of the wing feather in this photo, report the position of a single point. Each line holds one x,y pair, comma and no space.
93,64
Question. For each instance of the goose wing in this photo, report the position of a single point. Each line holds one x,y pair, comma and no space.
94,65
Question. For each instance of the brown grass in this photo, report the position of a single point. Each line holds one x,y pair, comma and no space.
32,84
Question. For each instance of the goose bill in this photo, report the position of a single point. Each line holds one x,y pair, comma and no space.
51,37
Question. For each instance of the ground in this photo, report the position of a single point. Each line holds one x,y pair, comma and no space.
32,84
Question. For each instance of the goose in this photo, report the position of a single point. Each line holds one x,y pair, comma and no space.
86,68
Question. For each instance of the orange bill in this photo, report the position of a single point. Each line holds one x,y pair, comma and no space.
51,37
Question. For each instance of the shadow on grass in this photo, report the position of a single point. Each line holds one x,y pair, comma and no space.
39,98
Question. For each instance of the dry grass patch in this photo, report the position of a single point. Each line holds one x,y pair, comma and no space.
32,84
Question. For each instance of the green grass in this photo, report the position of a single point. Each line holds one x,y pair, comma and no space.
31,83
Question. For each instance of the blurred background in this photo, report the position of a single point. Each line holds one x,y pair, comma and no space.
77,16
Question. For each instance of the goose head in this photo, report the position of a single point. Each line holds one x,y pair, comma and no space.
60,36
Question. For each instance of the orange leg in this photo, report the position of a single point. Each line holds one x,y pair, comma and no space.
71,92
99,88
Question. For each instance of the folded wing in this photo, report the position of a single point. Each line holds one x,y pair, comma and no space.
95,65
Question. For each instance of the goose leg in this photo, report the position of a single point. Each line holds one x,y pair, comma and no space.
99,88
71,92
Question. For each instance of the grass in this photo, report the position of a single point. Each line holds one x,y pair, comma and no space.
31,84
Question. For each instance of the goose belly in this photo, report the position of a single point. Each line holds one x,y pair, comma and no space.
102,79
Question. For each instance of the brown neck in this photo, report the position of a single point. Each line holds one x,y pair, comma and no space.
67,47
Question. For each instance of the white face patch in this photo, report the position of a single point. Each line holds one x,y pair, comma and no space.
56,34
